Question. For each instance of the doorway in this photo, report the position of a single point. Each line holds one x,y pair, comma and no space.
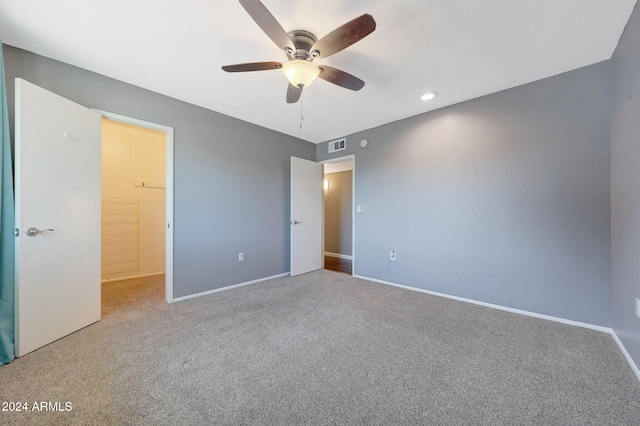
338,214
58,188
137,210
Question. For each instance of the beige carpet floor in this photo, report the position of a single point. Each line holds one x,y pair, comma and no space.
321,348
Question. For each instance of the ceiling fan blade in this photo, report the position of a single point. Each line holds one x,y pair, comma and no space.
293,94
345,36
268,23
341,78
253,66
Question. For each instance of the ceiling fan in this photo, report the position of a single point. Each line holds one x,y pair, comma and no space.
302,47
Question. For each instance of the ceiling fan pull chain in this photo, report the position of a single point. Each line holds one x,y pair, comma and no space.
301,107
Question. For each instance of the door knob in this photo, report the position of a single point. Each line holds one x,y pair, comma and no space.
32,232
297,222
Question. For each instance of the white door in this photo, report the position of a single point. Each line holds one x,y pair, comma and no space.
306,216
57,156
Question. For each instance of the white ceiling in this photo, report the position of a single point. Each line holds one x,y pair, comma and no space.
460,48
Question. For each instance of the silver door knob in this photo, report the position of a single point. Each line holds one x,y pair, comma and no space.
297,222
32,232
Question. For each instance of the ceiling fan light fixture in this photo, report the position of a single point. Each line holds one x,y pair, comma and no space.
300,73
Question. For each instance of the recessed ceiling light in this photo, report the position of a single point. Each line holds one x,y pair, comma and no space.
428,96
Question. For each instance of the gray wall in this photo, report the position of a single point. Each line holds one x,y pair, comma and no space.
338,229
625,188
231,177
502,199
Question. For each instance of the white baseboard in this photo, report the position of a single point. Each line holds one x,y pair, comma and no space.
491,305
339,256
626,354
132,277
230,287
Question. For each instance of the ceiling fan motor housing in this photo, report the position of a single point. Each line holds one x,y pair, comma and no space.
303,41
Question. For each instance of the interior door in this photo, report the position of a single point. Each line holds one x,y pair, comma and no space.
58,177
306,216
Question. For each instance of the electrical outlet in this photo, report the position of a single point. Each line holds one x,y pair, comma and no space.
637,307
240,257
392,255
360,208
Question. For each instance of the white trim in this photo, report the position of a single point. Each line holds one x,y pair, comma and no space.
491,305
339,256
230,287
351,157
626,354
168,193
132,277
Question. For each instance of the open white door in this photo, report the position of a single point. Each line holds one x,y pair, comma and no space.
306,216
57,156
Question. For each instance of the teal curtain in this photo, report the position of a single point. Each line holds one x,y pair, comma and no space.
7,221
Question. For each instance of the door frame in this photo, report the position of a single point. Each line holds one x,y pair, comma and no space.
168,131
351,157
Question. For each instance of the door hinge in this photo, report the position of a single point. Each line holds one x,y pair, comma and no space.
16,232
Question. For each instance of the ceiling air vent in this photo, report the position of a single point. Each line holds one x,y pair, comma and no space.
339,145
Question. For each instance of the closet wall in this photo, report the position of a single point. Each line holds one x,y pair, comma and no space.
133,200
